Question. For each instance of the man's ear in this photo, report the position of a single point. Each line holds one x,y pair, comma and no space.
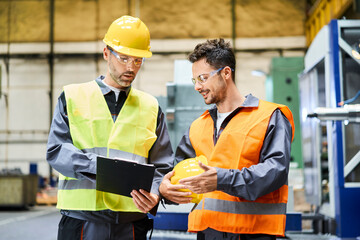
105,53
227,73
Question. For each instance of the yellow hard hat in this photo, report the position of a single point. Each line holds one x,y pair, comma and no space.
188,168
129,35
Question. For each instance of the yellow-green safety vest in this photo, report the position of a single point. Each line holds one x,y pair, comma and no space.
93,130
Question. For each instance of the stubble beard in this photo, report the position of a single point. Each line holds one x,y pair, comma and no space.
216,97
118,79
119,82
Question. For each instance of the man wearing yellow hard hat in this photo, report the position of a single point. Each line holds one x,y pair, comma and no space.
246,142
108,117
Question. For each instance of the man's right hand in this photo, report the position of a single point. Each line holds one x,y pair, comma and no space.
171,192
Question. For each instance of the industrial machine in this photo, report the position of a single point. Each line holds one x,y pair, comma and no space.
330,131
282,87
183,103
349,113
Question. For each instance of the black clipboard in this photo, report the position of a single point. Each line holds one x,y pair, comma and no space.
121,176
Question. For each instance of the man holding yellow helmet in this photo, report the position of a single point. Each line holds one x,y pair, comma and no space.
247,145
108,117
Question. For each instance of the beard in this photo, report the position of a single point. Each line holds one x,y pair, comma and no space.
216,94
124,79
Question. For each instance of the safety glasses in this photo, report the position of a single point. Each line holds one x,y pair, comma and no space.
202,78
126,59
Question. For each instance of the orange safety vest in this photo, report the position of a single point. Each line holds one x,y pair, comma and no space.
238,146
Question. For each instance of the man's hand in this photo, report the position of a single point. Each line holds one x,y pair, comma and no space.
171,191
144,200
202,183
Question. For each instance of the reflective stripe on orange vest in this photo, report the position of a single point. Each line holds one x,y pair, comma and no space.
238,146
242,207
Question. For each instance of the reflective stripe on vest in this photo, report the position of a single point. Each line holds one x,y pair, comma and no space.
67,183
243,137
253,208
116,153
93,131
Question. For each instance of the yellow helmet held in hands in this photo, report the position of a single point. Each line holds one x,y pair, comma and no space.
130,36
188,168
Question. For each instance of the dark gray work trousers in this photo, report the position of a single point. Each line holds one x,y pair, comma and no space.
77,229
211,234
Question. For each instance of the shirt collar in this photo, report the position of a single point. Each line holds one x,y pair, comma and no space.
105,89
250,101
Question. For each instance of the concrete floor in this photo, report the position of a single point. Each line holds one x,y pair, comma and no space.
40,223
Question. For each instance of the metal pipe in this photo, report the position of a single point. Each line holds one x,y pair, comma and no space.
99,55
137,8
51,67
233,20
129,7
51,58
24,132
47,56
19,160
97,30
31,141
349,113
7,67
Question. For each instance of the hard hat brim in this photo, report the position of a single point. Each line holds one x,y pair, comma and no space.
130,51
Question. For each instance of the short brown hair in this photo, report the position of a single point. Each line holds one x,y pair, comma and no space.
216,52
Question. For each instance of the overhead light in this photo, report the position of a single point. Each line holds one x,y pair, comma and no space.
356,50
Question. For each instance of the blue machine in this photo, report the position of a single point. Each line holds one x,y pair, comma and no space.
331,145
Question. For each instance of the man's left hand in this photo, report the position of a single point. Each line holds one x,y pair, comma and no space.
144,200
202,183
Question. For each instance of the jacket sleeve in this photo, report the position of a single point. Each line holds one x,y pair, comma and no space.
272,170
161,153
185,149
61,154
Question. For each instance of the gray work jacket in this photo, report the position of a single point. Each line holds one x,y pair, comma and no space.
272,170
65,158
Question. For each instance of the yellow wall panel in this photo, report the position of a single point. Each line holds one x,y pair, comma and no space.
187,18
108,11
263,18
29,21
75,20
4,23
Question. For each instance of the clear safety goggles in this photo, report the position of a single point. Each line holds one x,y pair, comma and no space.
202,78
123,59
